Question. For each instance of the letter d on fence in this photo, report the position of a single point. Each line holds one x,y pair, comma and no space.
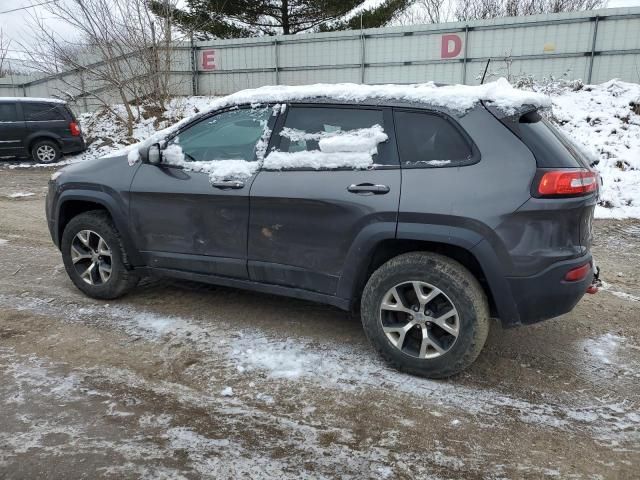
451,46
208,60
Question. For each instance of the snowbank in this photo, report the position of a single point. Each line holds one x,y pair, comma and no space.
605,120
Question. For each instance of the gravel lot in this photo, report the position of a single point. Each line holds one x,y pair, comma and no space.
181,380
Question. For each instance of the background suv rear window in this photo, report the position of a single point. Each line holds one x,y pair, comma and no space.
429,140
8,112
41,111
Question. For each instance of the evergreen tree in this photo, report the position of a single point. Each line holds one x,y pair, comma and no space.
252,18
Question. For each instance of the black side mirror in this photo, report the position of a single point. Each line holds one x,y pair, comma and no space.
152,154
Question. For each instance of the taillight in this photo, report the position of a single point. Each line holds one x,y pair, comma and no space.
578,273
568,182
75,129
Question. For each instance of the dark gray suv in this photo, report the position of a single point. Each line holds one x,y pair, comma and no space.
41,128
429,221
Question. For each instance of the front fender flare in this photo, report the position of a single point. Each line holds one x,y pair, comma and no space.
117,211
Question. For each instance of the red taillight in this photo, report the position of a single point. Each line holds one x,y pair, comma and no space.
578,273
568,182
75,129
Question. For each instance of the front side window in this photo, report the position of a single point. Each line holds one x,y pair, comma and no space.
8,112
227,146
330,138
429,140
41,112
231,135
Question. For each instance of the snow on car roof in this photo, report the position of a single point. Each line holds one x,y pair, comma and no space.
31,99
457,98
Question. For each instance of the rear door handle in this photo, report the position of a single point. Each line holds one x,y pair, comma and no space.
368,189
228,184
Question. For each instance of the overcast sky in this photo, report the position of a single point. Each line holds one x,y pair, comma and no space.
15,25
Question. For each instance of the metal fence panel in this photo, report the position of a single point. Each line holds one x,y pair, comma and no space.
593,46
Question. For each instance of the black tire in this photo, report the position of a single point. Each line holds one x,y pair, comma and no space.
45,151
459,287
121,279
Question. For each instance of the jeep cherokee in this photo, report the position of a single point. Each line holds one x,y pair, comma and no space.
428,219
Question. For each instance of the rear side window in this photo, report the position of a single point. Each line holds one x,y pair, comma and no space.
8,112
550,148
325,132
430,140
41,112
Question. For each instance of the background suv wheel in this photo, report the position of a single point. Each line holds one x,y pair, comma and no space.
426,314
94,257
45,151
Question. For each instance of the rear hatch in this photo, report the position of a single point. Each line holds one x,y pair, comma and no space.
565,182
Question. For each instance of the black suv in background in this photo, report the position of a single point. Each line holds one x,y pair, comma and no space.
41,128
459,217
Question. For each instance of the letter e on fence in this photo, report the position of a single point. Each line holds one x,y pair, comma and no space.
208,60
451,46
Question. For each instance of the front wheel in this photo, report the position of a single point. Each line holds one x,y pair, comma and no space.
94,257
425,314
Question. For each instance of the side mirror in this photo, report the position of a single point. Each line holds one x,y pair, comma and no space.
153,154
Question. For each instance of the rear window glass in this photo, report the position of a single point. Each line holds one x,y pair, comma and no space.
548,145
8,112
429,140
41,112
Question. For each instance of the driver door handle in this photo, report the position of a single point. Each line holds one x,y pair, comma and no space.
368,188
228,184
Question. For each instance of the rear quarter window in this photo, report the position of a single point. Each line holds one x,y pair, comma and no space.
549,146
41,112
430,140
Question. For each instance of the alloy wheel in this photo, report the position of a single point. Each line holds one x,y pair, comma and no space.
419,319
46,153
91,257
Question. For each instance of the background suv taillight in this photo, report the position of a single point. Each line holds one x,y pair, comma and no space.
567,182
75,129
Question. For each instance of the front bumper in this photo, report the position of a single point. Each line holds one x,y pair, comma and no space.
547,295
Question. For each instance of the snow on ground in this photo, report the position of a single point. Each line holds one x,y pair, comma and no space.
604,118
254,355
21,195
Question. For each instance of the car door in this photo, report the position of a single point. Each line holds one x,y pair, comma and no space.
311,221
12,130
190,213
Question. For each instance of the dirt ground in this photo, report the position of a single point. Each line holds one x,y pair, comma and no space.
181,380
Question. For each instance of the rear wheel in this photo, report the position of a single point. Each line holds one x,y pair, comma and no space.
94,257
425,314
46,151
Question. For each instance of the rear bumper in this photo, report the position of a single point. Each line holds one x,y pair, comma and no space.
547,295
73,145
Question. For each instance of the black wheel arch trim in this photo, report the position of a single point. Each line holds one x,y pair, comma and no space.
472,241
35,137
118,213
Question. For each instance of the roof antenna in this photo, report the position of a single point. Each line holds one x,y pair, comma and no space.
485,71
